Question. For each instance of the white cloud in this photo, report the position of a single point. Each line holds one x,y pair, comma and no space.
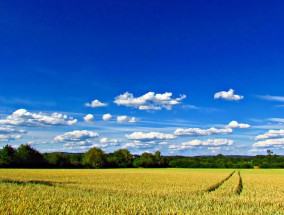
254,150
235,124
214,149
8,133
149,136
106,117
228,95
89,118
77,136
112,142
279,120
272,98
193,107
149,101
201,132
140,145
37,143
133,119
269,143
96,103
8,137
77,144
201,143
122,119
10,130
26,118
86,142
270,126
271,134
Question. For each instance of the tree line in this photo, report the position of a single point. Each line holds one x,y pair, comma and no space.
27,157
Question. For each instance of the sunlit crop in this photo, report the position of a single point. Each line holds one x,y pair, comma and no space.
141,191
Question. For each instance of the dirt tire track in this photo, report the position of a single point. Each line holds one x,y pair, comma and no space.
8,181
239,188
217,185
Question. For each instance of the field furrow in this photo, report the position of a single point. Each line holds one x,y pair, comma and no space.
217,185
227,188
239,188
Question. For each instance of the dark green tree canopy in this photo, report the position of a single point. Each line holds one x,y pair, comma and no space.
121,158
29,157
7,156
94,158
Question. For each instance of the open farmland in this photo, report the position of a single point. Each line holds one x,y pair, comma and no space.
141,191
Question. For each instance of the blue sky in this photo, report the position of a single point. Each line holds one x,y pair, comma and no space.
173,75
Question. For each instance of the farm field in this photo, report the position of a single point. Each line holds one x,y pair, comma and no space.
141,191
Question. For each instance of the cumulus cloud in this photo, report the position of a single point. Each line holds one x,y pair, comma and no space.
112,142
235,124
202,143
77,144
149,136
96,103
10,130
124,119
8,133
148,144
149,101
133,119
89,118
86,142
270,143
106,117
8,137
140,145
201,132
77,136
271,134
26,118
230,96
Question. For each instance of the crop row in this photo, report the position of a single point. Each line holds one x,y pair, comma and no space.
217,185
18,182
228,188
240,184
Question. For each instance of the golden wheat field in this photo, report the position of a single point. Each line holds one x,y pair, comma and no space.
141,191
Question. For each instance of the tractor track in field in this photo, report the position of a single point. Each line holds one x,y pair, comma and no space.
9,181
239,188
217,185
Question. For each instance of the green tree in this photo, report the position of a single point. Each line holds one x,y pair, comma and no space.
75,160
159,160
7,156
29,157
121,158
94,158
147,160
57,159
136,162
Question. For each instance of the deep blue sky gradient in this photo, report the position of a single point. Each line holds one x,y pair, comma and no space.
58,55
